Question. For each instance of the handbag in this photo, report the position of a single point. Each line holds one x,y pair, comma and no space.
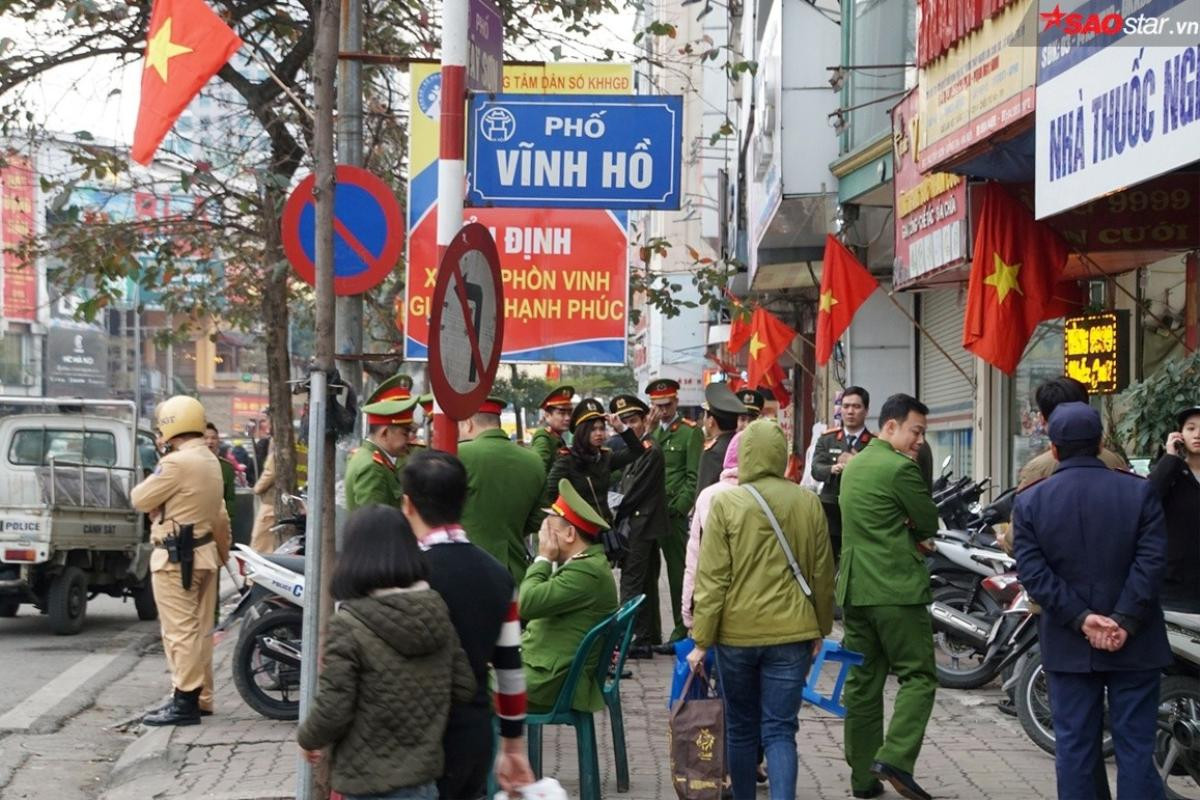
696,742
797,573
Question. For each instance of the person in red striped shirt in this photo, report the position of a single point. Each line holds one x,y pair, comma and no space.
482,599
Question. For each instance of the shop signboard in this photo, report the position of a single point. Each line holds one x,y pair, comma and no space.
565,270
979,87
18,280
76,361
1096,350
931,210
1116,110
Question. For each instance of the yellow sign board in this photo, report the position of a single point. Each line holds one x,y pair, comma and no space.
1095,350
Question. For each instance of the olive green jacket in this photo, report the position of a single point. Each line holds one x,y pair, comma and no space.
682,443
746,596
561,606
546,443
886,510
504,489
371,478
230,493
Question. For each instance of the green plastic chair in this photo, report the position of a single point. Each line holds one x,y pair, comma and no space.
563,714
620,635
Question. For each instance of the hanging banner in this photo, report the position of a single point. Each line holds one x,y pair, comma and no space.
565,271
19,301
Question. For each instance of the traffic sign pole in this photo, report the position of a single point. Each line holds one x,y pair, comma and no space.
451,162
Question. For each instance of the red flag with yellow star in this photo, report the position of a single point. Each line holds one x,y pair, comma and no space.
845,285
769,339
1014,280
186,44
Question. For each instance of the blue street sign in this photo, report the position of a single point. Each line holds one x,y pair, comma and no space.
575,151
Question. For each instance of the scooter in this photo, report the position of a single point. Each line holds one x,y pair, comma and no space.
1177,743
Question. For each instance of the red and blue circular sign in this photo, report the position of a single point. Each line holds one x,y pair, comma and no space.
368,230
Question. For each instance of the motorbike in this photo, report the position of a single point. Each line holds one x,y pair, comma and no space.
1177,743
266,658
973,650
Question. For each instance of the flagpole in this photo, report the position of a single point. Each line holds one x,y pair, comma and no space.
891,295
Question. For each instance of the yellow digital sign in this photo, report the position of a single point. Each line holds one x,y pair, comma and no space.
1095,350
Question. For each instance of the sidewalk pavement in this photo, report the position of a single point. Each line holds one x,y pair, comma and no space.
971,750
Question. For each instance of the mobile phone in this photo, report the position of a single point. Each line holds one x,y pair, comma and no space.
1180,448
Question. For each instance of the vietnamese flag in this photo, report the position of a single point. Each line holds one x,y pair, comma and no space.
1014,280
186,44
769,339
776,381
845,285
739,328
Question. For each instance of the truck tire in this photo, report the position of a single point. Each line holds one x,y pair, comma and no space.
143,601
9,606
67,602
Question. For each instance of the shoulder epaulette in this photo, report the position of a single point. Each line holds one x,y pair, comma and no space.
834,429
379,458
648,444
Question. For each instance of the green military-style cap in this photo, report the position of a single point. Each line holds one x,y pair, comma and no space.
662,390
397,387
571,506
588,408
719,397
624,405
559,397
391,412
753,400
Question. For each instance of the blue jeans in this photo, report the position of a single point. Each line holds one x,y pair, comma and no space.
426,791
762,689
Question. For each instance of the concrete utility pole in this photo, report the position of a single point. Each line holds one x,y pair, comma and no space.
319,537
349,326
451,164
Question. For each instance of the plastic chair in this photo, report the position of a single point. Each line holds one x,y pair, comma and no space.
619,637
563,714
834,652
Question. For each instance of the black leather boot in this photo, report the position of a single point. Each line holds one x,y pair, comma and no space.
184,709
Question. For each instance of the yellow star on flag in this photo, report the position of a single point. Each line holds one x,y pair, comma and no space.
828,301
756,344
1004,278
160,49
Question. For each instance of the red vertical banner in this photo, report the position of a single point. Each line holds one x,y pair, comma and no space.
16,226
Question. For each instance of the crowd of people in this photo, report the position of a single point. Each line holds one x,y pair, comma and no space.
467,582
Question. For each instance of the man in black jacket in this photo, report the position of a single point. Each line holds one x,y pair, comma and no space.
643,516
721,410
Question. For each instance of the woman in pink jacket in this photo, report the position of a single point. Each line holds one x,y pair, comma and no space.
728,480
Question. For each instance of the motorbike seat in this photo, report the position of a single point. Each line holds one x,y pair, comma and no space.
987,539
959,537
1184,620
292,563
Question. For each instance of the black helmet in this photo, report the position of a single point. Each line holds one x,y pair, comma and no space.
1182,416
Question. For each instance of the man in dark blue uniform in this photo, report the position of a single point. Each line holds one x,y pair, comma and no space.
1091,549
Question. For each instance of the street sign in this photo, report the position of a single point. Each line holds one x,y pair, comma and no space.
575,151
368,230
466,323
485,47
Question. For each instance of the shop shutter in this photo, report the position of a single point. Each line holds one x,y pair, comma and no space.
939,385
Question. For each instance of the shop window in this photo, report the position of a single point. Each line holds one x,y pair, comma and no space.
13,366
955,443
1043,360
882,32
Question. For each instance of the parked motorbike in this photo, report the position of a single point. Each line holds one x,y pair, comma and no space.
972,650
266,659
1177,744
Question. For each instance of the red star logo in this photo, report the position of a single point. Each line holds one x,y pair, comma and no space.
1053,18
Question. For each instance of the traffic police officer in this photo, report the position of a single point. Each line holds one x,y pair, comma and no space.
834,449
373,472
753,400
568,590
191,537
643,515
504,488
682,442
556,414
1091,548
722,409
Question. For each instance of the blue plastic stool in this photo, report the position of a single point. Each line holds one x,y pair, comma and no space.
831,651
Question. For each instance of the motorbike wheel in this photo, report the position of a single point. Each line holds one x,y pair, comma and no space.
1033,707
1178,705
143,601
959,664
269,687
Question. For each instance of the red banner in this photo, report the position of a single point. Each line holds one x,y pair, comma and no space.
16,226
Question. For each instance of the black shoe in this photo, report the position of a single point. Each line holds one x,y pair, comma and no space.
182,710
901,781
1007,706
664,649
640,651
874,791
206,712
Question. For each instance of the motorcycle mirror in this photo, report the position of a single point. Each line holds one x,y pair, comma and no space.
946,464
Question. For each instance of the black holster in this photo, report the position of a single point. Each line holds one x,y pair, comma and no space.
187,548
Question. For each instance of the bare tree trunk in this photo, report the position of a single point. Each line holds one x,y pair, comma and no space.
275,326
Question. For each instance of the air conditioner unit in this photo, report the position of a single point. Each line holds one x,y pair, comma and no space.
764,139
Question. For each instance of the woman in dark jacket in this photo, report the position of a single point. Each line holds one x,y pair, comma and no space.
1176,477
587,463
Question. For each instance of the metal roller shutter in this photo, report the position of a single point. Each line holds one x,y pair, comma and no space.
939,385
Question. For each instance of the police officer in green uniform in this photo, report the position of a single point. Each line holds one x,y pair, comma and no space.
682,442
753,400
834,449
643,515
373,472
567,590
556,417
504,488
721,410
883,588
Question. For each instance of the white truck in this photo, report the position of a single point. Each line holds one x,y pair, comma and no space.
67,529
